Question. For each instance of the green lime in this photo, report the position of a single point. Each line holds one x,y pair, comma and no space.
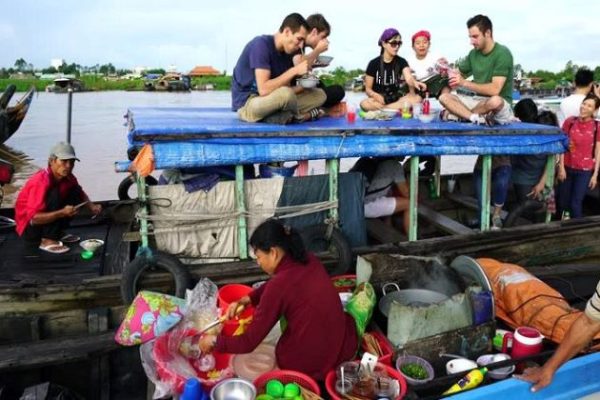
86,254
291,390
299,397
274,388
264,397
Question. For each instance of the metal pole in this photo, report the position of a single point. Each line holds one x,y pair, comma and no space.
69,112
550,167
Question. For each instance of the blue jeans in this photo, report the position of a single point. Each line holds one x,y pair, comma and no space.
571,191
500,182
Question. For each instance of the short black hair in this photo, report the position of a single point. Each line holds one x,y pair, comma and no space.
482,22
547,117
318,22
583,77
294,21
526,110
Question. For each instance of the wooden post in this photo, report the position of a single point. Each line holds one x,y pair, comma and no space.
486,179
438,177
549,185
241,207
414,195
100,367
333,168
143,210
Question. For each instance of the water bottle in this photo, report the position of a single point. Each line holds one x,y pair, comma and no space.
425,108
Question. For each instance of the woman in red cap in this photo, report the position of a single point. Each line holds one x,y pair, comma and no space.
426,65
387,76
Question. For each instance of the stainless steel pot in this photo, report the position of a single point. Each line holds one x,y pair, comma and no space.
408,297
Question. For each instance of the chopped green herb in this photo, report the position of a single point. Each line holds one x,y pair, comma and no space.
344,282
415,371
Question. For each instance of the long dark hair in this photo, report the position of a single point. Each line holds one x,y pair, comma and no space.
272,233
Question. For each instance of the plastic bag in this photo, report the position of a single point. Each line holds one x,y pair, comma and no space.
361,305
173,358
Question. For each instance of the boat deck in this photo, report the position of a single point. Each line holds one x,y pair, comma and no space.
22,265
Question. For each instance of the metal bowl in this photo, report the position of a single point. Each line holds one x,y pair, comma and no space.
233,389
92,244
308,83
498,373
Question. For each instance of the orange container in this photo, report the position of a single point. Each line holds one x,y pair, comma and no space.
229,294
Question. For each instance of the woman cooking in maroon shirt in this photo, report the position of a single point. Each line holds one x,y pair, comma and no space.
319,334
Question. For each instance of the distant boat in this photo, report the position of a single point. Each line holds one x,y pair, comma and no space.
11,117
172,82
62,85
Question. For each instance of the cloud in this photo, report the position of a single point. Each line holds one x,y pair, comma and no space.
157,33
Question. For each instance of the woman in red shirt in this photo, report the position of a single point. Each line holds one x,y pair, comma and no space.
578,167
319,335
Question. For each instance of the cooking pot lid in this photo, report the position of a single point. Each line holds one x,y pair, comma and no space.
471,272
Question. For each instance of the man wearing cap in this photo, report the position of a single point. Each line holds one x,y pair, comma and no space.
423,64
386,76
261,87
488,97
49,199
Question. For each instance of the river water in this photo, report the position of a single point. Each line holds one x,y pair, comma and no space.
100,137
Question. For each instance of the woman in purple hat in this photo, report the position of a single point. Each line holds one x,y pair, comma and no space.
388,75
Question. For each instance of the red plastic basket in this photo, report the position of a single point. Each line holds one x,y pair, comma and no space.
384,344
287,376
344,288
392,373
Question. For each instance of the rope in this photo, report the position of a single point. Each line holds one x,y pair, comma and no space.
282,212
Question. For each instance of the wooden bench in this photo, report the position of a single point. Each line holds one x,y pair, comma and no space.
441,221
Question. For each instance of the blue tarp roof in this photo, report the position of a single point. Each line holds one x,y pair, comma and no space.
192,137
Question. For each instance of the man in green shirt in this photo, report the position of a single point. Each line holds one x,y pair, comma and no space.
489,95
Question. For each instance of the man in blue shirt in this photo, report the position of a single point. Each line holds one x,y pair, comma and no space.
262,78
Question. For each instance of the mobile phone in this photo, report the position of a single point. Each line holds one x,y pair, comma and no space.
78,206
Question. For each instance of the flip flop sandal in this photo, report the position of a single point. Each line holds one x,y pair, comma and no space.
69,238
54,248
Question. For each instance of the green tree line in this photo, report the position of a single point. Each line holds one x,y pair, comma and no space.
94,77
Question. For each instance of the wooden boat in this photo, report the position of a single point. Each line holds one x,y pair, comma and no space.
171,82
48,301
12,117
64,84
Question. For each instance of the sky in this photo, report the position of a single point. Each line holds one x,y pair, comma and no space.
157,34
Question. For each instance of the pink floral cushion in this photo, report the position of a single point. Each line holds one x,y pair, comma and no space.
150,315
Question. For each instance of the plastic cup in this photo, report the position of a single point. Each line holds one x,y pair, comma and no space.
87,254
343,386
350,114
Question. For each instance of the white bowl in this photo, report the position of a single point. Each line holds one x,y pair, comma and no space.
460,365
308,83
92,244
389,112
426,118
499,373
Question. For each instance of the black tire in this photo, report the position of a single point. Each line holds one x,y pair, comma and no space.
136,268
125,185
315,240
527,208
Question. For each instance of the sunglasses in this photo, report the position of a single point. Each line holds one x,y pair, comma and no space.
395,43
